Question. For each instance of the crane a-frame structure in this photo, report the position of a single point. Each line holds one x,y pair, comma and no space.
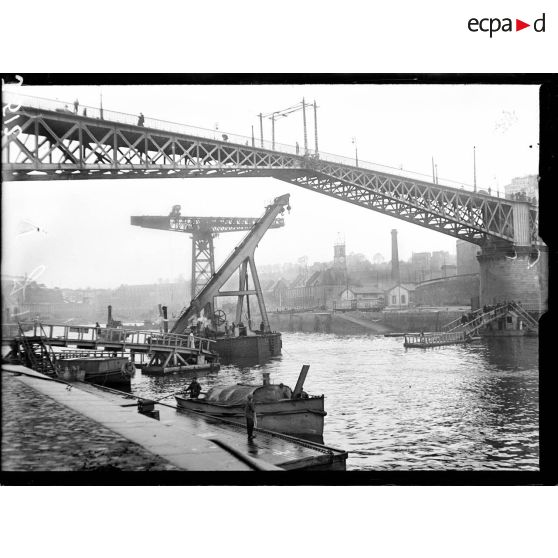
206,283
241,259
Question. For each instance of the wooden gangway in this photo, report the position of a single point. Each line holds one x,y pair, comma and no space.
481,317
461,331
424,340
115,339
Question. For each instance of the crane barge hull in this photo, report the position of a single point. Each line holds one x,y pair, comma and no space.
252,349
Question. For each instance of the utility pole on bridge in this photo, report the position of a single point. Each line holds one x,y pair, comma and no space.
284,113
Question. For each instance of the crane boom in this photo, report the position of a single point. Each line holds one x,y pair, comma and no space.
214,225
203,231
241,258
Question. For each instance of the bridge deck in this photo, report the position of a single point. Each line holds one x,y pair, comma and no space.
54,143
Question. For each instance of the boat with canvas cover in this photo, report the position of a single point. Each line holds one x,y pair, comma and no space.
278,408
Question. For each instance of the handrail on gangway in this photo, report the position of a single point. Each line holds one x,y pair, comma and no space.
126,337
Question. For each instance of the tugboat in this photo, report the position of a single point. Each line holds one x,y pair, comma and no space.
278,408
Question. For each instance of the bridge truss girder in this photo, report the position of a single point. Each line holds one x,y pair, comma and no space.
67,146
453,213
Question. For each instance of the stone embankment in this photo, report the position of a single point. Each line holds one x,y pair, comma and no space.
40,434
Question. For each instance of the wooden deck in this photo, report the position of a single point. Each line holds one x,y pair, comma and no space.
116,339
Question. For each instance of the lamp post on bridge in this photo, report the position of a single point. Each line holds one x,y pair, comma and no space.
475,168
354,142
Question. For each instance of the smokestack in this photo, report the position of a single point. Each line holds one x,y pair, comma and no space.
394,258
109,316
165,320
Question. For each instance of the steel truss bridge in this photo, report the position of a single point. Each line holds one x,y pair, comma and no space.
53,142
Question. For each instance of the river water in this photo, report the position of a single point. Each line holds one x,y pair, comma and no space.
462,407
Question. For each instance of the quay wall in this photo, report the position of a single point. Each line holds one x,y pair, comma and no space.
310,322
405,321
419,321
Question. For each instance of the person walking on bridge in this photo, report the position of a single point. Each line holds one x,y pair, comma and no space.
141,119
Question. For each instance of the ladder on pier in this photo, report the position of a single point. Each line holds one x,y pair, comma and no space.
37,354
532,324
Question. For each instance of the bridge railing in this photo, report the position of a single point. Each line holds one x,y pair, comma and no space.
67,107
63,355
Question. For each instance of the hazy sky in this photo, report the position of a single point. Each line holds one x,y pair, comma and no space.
89,241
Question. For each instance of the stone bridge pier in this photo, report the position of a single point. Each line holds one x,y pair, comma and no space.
517,271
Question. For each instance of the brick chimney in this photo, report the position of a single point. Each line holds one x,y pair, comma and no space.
394,258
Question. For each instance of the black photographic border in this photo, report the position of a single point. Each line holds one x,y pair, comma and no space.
548,165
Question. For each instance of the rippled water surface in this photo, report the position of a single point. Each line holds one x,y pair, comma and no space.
456,408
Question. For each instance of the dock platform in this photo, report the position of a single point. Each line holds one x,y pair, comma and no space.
185,440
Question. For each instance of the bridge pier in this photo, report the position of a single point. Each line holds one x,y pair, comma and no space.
518,273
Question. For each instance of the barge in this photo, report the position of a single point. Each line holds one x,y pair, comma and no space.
278,408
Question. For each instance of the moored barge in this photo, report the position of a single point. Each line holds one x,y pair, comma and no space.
278,408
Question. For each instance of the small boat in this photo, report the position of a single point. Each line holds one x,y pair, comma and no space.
278,408
98,370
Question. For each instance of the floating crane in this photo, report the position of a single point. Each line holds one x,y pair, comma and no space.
203,231
241,258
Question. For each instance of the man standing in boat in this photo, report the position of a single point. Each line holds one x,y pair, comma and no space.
194,388
250,412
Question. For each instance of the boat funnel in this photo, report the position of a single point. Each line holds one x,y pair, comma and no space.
266,380
300,382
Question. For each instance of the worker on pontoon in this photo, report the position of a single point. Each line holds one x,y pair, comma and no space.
250,413
194,388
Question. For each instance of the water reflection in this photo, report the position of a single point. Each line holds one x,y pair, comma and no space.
463,407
